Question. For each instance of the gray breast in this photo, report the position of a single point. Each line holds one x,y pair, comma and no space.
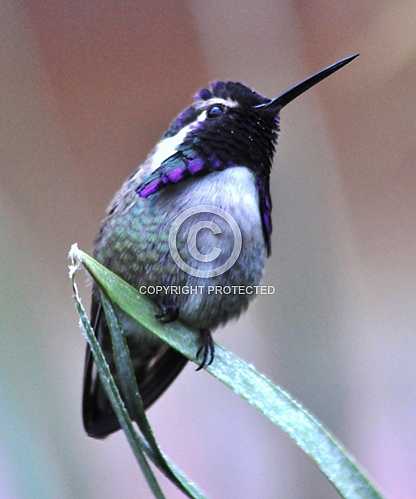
224,217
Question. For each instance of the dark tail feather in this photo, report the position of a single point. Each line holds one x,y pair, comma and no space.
154,381
98,416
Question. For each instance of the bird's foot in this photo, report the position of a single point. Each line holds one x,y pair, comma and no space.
206,350
168,313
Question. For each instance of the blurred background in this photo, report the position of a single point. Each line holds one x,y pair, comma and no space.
86,89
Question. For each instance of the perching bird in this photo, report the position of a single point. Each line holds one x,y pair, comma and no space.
195,215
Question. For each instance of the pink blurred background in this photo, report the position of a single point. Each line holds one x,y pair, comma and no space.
86,89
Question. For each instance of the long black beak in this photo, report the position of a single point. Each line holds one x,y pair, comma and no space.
276,104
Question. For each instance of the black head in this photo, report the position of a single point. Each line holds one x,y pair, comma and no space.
226,127
230,124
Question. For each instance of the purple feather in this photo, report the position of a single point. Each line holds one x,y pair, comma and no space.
150,188
195,166
267,221
267,202
214,162
204,94
176,175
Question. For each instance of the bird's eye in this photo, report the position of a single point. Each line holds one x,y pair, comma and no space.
215,111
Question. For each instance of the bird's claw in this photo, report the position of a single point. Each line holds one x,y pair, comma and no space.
207,349
168,313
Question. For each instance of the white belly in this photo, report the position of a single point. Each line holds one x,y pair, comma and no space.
232,191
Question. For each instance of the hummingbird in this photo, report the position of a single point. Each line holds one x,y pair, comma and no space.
214,163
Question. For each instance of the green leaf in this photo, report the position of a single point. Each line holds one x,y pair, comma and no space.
115,398
138,445
272,401
134,402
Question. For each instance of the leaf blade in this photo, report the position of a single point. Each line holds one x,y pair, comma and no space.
134,402
272,401
114,396
136,442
